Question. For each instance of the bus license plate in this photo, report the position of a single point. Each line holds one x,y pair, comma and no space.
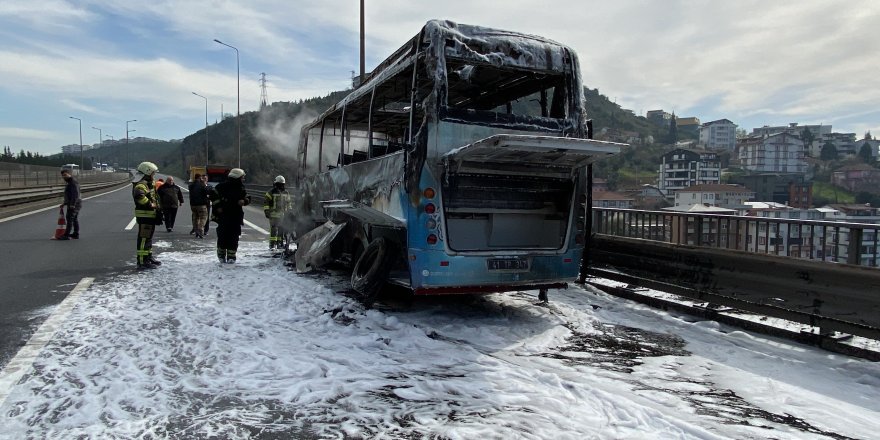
508,264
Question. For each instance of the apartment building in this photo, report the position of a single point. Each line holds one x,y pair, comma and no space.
718,135
682,168
715,194
781,152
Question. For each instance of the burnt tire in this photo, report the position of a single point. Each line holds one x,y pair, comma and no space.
371,270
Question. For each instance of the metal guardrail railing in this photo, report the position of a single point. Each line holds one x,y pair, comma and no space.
829,241
17,196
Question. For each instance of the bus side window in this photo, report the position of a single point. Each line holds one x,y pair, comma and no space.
312,151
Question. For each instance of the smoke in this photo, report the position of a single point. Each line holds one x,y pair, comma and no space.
279,133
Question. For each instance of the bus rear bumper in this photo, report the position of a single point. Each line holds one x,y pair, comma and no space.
495,288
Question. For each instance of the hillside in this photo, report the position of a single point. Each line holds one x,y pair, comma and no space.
269,138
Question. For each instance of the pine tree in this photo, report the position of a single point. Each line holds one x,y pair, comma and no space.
865,153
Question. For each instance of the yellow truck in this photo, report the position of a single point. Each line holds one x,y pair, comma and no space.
215,173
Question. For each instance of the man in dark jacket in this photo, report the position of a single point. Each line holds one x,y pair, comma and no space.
170,198
227,201
198,203
73,203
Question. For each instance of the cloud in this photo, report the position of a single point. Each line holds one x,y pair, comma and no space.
26,133
749,60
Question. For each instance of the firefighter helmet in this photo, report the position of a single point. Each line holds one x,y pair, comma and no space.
236,173
147,168
280,179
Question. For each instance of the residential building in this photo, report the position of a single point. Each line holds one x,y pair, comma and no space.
837,247
718,135
788,189
689,125
715,194
781,152
71,149
659,117
859,177
874,144
793,128
845,143
681,168
648,197
610,199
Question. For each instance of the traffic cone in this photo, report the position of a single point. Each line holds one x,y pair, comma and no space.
61,230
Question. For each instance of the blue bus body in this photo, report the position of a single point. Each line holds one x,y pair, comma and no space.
464,153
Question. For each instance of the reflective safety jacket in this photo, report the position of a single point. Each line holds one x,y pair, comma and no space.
276,203
145,202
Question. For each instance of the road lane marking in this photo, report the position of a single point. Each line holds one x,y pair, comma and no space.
25,214
257,228
131,224
24,360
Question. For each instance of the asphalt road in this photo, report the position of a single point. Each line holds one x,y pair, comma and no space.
37,272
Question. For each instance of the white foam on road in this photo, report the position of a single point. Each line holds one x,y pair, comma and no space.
252,350
24,359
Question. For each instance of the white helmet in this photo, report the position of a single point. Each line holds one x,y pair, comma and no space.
280,179
236,173
147,168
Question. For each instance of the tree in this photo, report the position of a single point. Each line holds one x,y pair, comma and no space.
865,153
868,135
808,138
829,151
673,130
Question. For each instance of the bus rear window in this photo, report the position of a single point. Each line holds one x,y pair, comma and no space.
488,88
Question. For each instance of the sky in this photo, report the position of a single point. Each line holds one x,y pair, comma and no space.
253,350
109,61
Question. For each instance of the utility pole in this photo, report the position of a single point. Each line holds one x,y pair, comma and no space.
81,155
206,129
363,64
100,143
127,150
238,88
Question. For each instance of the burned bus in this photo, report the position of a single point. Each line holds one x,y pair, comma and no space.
456,166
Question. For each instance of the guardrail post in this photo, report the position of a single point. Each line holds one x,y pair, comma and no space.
854,252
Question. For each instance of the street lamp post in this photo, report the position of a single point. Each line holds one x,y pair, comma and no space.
127,151
81,155
238,88
112,143
206,130
100,142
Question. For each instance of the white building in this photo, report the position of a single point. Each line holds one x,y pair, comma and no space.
720,195
781,152
71,149
720,134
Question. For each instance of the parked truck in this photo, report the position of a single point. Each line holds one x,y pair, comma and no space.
215,173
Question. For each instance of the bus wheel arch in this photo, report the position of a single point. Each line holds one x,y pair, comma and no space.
371,269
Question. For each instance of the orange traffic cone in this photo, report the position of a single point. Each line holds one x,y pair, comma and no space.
61,230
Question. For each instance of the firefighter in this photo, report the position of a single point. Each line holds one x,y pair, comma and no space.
227,202
146,211
276,203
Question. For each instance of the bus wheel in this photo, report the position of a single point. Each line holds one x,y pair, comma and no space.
372,269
